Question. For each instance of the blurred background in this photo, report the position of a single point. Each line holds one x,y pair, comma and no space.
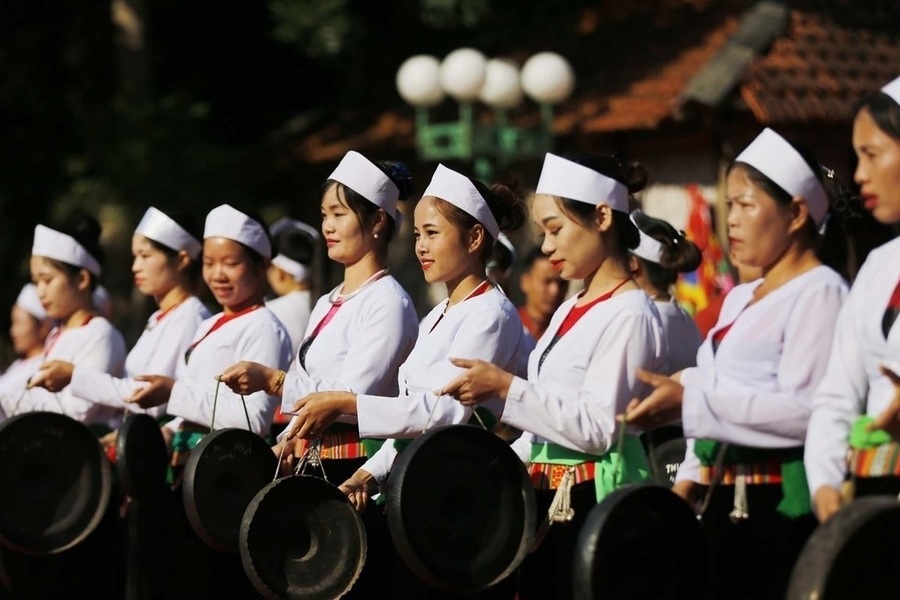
116,105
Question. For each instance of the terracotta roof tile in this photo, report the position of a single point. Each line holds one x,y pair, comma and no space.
818,71
647,101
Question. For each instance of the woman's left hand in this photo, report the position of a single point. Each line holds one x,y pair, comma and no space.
318,410
53,375
481,381
662,406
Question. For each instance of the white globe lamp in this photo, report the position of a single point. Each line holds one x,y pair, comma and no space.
501,88
463,73
547,78
418,81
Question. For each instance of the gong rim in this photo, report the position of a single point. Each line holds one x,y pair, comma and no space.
640,541
58,483
222,475
293,530
847,554
142,459
462,490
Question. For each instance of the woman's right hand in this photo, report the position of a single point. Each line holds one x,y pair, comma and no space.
247,377
827,501
359,489
288,451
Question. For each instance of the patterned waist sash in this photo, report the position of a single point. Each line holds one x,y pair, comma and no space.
873,453
609,471
340,441
755,466
757,473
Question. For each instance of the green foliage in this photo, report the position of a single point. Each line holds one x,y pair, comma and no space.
450,14
321,28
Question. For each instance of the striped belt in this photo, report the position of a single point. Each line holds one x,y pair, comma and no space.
880,461
546,476
340,444
755,473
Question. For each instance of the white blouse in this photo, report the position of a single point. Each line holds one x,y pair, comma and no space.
756,390
158,351
360,349
485,327
588,376
96,345
293,310
682,335
853,384
13,382
256,336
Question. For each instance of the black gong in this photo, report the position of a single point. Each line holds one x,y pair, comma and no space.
56,479
460,508
641,541
854,554
142,460
222,475
301,538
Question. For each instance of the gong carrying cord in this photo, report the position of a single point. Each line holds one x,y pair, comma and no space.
212,424
561,510
212,421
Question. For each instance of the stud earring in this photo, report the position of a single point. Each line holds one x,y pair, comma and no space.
376,236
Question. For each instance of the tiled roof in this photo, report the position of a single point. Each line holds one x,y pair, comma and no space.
647,100
818,70
638,78
630,68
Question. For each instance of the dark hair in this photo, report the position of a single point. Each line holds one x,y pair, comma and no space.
885,112
632,175
85,229
532,257
296,244
501,257
505,203
845,209
190,223
364,209
679,254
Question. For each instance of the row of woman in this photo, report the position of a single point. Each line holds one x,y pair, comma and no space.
367,371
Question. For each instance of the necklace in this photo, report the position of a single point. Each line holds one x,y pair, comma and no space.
337,298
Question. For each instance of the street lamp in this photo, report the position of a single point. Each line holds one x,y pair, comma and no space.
467,76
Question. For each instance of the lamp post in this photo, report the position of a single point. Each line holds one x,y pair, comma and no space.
467,76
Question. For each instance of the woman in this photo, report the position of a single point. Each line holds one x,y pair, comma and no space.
65,267
236,253
748,401
360,332
655,264
456,223
292,276
165,265
861,380
543,290
28,329
662,254
581,373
